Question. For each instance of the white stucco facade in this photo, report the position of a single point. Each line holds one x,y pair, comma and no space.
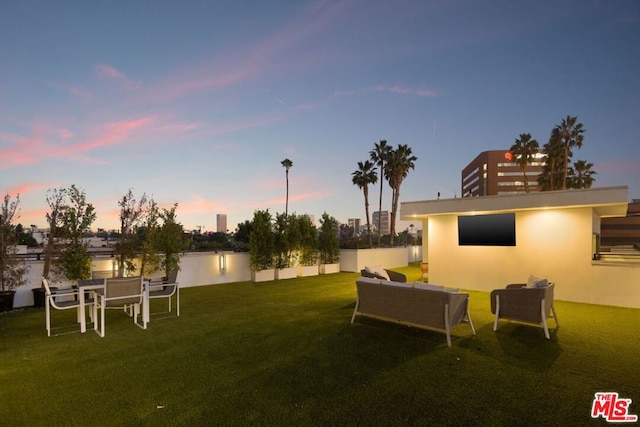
554,239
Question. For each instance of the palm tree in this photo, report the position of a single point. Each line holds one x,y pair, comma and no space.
551,177
362,177
570,132
379,156
399,162
524,150
287,164
582,176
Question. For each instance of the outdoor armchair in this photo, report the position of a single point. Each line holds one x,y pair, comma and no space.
119,293
167,287
60,299
530,304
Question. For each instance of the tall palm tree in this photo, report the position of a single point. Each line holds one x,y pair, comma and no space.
571,136
379,156
287,164
551,177
524,150
362,177
582,176
399,162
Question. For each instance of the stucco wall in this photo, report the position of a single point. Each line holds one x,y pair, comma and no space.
556,244
196,269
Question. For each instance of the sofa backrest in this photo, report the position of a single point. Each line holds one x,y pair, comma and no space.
403,302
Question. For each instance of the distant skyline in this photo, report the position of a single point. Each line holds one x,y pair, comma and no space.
197,103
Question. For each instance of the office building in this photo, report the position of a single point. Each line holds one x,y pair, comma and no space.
385,221
354,224
497,173
221,223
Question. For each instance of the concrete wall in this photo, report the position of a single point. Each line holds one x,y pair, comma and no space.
196,269
556,244
355,260
203,268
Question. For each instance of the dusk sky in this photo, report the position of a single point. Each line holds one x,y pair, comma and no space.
198,102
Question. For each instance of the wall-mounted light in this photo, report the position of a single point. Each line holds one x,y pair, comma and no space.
222,262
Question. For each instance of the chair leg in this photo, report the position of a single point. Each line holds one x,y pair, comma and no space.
48,317
544,320
177,300
495,322
355,310
103,308
471,322
447,328
555,316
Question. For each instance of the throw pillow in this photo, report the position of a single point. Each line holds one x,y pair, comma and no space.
542,283
378,270
531,282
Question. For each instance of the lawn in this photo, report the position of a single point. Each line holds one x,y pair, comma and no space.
284,353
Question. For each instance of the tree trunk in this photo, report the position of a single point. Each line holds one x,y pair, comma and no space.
380,204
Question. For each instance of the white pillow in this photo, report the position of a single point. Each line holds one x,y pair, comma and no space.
378,270
542,283
428,286
398,284
454,291
531,282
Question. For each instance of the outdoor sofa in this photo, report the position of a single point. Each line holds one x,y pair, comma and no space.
418,304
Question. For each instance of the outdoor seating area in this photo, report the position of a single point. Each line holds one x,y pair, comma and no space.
250,353
132,295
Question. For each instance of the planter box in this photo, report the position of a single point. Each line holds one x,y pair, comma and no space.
6,300
263,275
286,273
330,268
307,270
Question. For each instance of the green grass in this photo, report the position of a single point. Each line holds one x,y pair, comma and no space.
284,353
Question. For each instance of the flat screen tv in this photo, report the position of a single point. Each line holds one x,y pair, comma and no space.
487,230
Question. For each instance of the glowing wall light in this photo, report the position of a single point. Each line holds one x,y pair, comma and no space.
222,262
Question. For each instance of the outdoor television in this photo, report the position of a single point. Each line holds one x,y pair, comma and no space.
487,230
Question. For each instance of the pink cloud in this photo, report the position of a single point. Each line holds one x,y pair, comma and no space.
26,188
109,72
264,56
45,141
314,195
401,90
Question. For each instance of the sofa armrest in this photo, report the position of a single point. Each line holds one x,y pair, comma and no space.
394,276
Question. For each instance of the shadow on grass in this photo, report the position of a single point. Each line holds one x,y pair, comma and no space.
520,345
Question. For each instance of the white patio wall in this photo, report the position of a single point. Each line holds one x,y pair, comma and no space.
204,268
556,244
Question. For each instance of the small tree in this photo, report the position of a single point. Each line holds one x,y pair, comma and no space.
56,198
13,269
328,241
307,241
74,261
148,235
261,241
282,241
131,213
171,240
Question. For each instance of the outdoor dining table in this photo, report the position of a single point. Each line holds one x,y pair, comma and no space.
88,285
84,286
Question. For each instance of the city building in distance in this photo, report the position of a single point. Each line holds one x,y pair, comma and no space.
221,223
496,172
